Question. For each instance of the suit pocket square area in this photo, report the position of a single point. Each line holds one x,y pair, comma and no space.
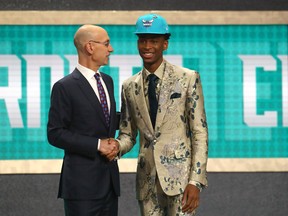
175,95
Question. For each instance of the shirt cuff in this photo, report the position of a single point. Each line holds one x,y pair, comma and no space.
119,153
98,146
197,184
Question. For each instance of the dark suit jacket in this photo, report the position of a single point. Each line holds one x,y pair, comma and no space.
76,122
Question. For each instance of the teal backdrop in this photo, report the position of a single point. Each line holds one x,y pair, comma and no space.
243,68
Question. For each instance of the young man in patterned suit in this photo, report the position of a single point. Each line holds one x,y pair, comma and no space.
173,153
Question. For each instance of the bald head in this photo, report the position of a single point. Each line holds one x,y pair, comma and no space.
86,33
93,46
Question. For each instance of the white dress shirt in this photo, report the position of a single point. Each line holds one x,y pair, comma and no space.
89,75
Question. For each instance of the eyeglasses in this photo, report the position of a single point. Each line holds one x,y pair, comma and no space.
107,43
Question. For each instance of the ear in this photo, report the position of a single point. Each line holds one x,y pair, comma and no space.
165,45
89,48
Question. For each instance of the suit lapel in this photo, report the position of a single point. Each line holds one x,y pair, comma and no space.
110,89
167,85
139,97
89,93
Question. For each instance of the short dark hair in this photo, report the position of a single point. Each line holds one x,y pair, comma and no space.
166,36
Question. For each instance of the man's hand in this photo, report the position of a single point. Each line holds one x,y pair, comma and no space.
109,148
190,200
112,155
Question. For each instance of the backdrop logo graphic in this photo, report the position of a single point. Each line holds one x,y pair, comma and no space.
243,71
269,64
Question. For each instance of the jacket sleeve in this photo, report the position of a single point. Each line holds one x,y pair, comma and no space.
198,130
128,130
59,132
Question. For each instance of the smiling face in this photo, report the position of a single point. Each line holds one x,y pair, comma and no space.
151,47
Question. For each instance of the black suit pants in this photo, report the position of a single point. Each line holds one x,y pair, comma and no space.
107,206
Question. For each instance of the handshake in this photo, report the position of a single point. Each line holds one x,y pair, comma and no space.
109,148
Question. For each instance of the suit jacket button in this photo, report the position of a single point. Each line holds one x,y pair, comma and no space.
142,162
154,141
158,134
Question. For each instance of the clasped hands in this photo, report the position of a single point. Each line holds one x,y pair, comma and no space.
109,148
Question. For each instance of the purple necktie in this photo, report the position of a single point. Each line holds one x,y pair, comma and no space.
103,98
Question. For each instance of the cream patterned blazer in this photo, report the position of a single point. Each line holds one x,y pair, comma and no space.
177,149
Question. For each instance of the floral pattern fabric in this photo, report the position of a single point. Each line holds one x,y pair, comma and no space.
177,148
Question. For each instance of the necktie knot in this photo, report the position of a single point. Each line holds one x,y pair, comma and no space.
97,76
152,77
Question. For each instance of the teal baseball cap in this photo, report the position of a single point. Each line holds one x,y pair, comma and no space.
152,24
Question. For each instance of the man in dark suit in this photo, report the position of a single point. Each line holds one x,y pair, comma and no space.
82,117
